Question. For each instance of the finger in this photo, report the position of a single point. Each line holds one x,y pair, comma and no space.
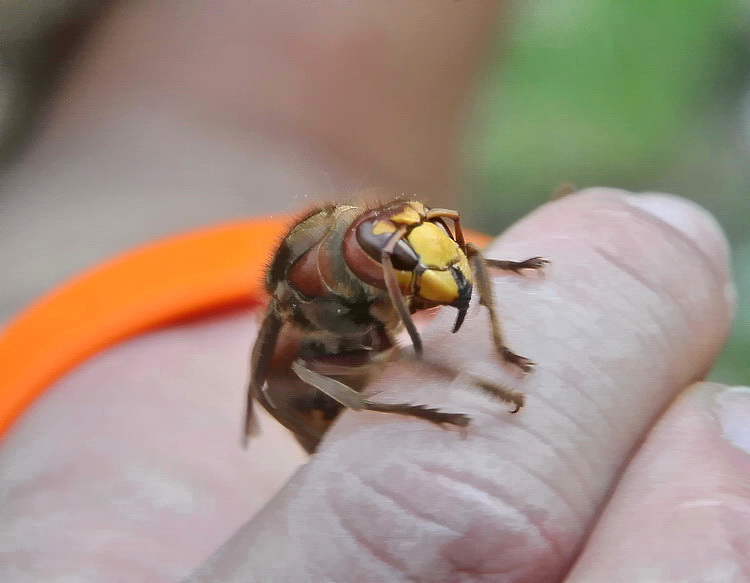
682,510
630,309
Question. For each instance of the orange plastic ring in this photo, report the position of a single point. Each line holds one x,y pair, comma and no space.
160,283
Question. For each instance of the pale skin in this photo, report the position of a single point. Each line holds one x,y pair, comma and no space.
130,468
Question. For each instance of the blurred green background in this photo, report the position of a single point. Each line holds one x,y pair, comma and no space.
645,95
649,95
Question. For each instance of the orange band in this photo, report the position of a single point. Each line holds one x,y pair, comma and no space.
160,283
153,285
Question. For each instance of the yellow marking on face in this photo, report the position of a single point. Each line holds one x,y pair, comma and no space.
438,286
383,227
418,206
464,267
408,216
405,281
434,247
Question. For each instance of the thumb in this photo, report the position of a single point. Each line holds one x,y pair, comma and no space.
682,509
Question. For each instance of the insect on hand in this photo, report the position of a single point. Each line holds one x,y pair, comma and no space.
343,282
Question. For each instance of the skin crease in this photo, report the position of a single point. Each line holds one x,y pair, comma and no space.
130,468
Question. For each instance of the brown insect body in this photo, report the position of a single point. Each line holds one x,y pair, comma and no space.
343,282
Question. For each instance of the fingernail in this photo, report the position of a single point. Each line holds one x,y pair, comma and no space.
695,223
687,217
733,413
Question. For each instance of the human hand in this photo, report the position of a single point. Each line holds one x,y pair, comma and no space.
173,116
632,310
129,466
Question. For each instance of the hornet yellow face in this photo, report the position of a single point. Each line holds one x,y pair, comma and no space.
447,275
429,265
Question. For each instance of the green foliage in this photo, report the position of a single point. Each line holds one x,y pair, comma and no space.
644,94
596,92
